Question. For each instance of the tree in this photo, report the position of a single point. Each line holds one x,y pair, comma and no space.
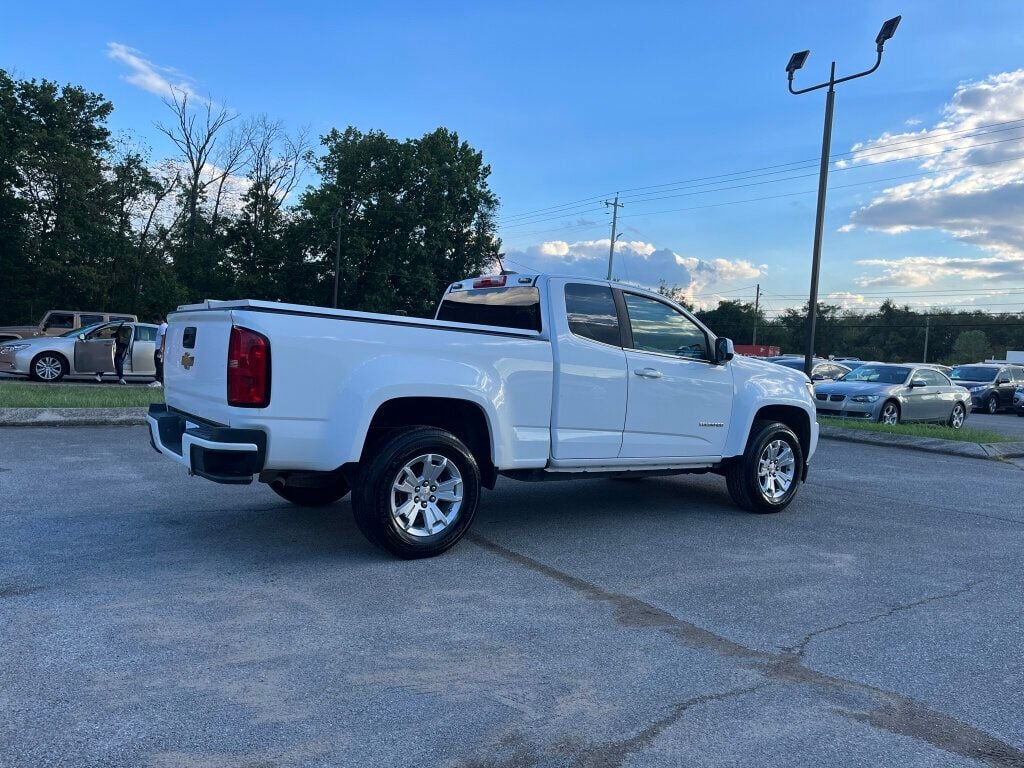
733,319
970,347
414,216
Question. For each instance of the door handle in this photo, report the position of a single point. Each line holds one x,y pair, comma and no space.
648,373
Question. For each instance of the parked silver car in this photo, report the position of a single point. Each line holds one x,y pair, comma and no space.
895,393
81,353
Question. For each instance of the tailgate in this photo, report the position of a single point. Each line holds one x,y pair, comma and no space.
196,363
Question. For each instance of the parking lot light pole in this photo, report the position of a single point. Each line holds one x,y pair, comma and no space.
796,61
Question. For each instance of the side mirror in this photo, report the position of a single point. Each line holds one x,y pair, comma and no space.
915,383
724,351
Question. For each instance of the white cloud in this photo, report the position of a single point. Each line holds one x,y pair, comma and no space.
163,81
636,262
976,193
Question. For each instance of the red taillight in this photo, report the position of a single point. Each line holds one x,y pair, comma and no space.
248,369
492,281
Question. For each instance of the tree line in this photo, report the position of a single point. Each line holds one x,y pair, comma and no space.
93,221
891,333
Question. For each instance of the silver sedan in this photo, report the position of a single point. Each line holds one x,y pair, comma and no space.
893,394
81,353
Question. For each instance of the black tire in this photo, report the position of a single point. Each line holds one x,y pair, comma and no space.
885,407
374,491
959,407
57,363
742,477
312,497
992,405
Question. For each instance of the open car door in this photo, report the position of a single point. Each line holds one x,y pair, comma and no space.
94,356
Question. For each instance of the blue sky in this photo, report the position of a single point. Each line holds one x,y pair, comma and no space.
573,101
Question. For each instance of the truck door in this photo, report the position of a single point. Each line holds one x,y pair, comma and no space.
680,403
589,403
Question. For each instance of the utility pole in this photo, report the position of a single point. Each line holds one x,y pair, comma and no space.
615,220
927,326
796,62
757,308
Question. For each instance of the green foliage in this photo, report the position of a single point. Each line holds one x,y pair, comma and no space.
971,346
735,320
89,222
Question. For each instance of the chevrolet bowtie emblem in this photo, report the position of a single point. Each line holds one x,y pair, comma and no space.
187,361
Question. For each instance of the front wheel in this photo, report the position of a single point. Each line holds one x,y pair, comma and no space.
312,497
48,367
992,404
416,495
766,478
890,414
956,418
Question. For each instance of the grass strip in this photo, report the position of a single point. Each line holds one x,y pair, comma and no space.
19,394
962,435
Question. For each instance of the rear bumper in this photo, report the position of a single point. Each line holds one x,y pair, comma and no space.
220,454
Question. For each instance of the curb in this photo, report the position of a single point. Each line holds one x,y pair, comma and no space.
72,417
993,451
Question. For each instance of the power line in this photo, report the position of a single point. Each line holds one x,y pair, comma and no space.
877,149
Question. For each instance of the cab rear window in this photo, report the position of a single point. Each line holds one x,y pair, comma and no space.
516,307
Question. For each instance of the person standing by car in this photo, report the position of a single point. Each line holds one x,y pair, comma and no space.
158,354
122,341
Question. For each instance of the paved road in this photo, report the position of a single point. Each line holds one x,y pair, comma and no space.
149,619
1006,423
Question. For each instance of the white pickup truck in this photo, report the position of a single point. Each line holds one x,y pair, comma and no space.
534,377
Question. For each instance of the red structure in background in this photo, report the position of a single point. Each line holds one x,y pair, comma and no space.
757,350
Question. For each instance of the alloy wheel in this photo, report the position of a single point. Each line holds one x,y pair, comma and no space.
426,495
776,469
48,368
993,404
957,420
890,414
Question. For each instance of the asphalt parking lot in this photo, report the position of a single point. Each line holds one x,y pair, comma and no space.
150,619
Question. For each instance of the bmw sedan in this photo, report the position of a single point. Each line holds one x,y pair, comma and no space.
893,394
80,353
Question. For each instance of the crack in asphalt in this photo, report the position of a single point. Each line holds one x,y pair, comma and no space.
801,646
892,712
613,754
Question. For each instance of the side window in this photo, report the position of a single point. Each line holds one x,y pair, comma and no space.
85,320
60,320
145,333
1019,375
932,378
657,327
1005,374
591,313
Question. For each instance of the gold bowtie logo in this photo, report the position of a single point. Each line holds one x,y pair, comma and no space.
187,361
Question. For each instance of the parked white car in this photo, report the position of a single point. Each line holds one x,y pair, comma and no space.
81,353
533,377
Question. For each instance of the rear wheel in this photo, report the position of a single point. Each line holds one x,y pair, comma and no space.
767,477
49,367
312,497
417,493
956,419
890,414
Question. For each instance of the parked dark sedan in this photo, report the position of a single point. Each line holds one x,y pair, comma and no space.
991,385
823,370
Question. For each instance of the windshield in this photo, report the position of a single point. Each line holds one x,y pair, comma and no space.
882,374
86,330
973,373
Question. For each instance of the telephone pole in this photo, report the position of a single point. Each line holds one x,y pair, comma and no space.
757,307
615,220
927,326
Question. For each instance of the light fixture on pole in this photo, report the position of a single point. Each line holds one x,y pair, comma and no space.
796,62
